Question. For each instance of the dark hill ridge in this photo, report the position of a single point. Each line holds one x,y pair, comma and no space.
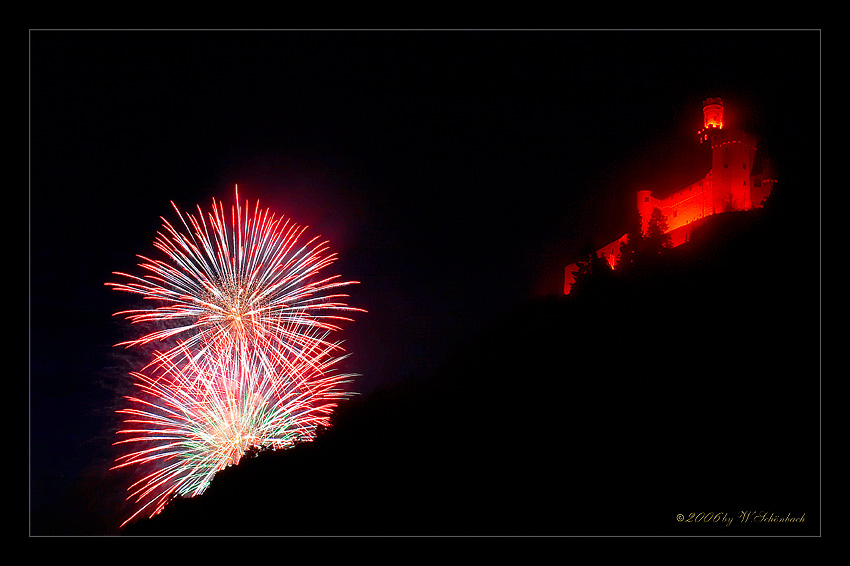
669,390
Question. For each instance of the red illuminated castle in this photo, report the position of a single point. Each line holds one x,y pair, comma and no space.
731,184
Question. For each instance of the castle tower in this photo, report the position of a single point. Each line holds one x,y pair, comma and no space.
712,110
732,155
736,181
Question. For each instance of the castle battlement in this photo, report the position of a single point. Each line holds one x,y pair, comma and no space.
729,185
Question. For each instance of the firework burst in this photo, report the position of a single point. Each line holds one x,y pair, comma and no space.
250,281
249,361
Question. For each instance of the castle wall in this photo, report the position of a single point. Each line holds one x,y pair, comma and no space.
683,233
762,178
611,252
569,277
646,203
687,205
761,190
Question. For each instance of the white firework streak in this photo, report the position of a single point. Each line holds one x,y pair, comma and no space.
253,363
252,280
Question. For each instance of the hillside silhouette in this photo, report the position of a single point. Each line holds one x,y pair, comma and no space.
689,384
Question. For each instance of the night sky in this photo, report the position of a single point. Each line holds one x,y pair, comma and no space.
456,173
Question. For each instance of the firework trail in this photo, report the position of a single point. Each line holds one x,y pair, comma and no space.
249,359
251,283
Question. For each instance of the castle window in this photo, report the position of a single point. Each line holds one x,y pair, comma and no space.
675,213
645,199
745,165
726,166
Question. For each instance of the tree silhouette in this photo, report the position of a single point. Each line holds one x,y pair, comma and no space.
631,249
657,237
593,275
